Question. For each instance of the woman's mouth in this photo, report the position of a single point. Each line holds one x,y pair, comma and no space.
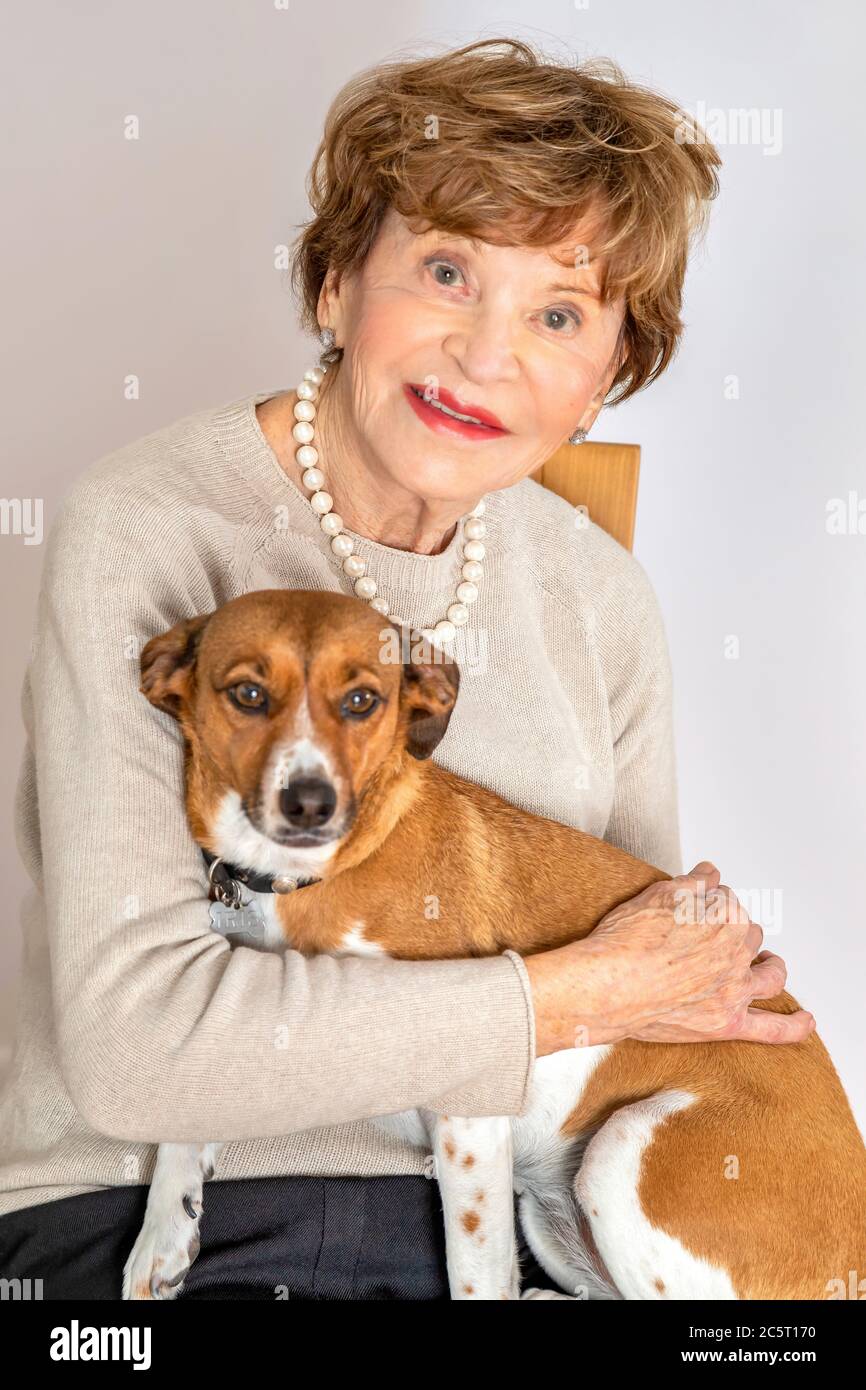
446,415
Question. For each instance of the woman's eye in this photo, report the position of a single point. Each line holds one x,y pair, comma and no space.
248,696
446,266
359,703
563,316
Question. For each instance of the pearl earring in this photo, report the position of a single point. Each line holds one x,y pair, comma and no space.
330,351
578,437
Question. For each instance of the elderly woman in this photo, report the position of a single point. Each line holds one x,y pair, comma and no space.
498,249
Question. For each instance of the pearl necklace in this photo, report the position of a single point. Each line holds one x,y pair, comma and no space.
342,545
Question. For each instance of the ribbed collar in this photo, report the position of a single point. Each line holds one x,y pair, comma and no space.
241,438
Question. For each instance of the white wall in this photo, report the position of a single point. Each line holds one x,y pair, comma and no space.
155,257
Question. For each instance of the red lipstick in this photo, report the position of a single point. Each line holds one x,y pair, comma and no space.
483,425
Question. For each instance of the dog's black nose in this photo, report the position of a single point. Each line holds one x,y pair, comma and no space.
308,802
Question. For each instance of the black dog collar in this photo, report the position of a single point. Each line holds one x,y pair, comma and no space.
226,880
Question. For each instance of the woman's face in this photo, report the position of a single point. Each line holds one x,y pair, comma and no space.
499,329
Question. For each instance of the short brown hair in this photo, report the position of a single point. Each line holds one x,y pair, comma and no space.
523,149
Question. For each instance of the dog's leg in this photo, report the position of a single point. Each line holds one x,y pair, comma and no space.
168,1240
547,1293
476,1183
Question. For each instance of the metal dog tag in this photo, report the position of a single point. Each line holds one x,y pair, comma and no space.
242,926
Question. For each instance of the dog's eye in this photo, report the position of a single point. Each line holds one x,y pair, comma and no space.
357,704
249,696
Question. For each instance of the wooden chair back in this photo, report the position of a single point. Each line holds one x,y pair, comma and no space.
601,477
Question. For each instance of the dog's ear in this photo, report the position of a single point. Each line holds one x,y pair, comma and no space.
431,680
167,663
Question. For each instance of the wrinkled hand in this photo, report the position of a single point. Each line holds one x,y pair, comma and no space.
680,962
686,956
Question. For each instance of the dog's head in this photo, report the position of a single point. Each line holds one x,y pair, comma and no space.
291,702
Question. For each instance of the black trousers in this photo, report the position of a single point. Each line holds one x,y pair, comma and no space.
261,1238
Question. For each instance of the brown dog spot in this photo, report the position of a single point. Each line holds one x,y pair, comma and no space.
479,1196
449,1149
660,1285
468,1288
468,1160
471,1221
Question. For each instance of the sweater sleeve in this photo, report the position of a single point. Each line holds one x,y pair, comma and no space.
164,1030
633,648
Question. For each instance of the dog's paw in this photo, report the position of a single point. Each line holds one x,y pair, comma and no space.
547,1293
167,1244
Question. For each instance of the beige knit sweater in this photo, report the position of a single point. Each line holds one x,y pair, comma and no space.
138,1023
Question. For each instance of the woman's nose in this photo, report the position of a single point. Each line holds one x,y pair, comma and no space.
485,348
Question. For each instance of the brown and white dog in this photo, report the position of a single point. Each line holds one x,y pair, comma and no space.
308,722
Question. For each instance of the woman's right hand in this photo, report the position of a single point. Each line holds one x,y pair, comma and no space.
680,962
